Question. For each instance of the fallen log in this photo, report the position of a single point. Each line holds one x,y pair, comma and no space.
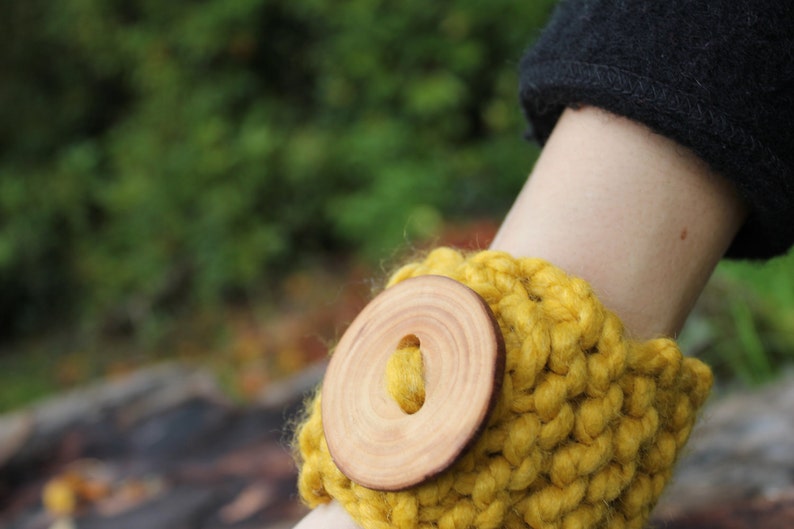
32,433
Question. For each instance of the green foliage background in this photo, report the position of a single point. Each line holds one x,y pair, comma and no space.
156,154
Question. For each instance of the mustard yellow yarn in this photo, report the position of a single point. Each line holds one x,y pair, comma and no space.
405,377
585,431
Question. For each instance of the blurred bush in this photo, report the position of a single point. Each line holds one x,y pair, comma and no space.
156,154
743,325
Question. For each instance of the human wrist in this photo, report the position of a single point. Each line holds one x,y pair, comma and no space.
587,425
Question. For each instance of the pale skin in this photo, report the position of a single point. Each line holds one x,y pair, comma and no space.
641,218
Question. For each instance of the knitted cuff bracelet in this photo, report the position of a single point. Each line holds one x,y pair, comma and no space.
581,430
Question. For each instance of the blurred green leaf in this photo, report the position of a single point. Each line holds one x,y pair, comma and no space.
181,154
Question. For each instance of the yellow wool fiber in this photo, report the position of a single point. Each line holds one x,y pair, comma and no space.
405,377
584,434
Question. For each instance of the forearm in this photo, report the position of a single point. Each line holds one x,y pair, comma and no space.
640,217
643,220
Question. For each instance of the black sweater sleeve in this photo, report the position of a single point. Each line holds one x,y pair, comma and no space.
716,76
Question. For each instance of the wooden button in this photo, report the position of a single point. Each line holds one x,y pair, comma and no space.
370,438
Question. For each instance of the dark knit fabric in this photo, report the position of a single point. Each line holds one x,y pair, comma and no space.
716,76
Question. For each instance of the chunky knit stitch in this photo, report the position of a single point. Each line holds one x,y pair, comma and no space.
585,432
